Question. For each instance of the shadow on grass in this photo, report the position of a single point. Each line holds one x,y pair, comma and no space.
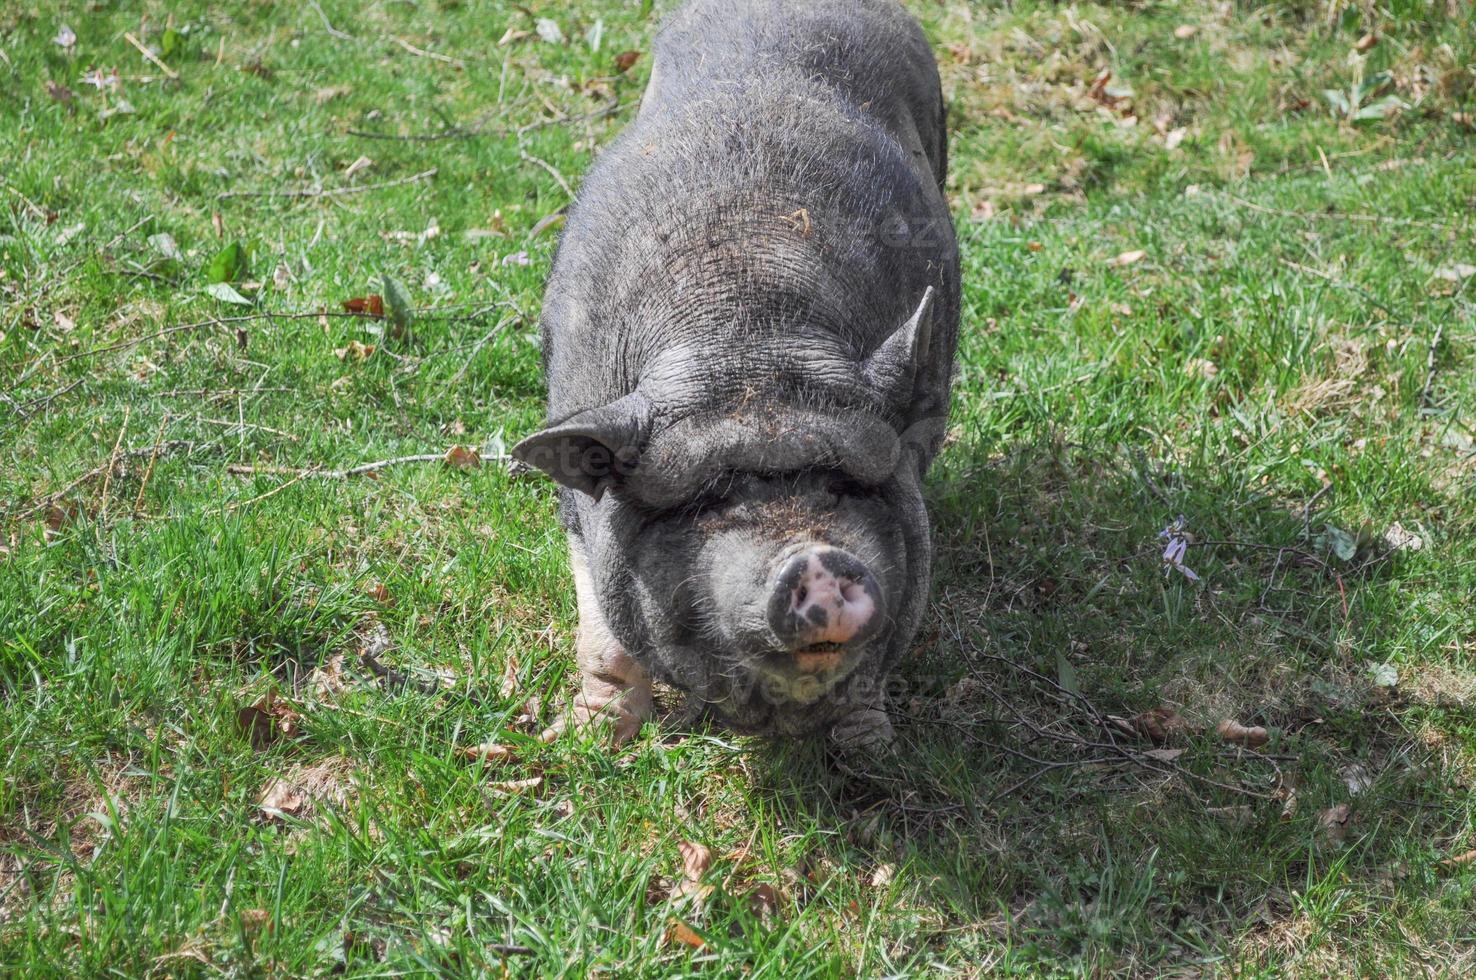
1026,812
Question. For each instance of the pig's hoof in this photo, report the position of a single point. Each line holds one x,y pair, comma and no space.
621,715
865,730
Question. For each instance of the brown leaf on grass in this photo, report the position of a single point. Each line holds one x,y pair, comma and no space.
357,350
512,786
679,933
763,901
1460,859
282,800
267,720
371,305
1127,258
487,751
379,592
254,920
327,679
1158,725
1251,737
1163,755
625,61
696,859
883,875
1185,31
60,93
64,513
463,457
1334,821
1366,42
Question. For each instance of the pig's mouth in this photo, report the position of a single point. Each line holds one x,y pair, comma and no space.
808,672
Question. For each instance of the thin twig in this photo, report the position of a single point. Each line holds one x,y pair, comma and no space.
102,510
422,53
315,192
149,470
173,75
530,158
1430,365
477,347
239,469
237,504
332,31
162,449
1378,219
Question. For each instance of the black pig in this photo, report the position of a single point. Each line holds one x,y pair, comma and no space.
748,336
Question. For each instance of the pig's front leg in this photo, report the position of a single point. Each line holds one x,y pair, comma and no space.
614,688
866,729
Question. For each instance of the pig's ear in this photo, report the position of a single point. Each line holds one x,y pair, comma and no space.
893,368
592,451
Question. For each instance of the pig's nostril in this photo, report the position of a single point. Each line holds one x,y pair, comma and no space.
801,596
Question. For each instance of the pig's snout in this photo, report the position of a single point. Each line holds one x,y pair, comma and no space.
824,600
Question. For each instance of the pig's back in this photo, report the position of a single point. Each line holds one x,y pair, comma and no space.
750,211
870,52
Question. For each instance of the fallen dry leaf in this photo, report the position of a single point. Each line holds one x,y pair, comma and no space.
1456,273
1455,862
517,785
1250,737
1163,755
1334,821
512,36
1157,725
1365,42
362,163
626,60
282,800
328,680
1199,367
764,899
379,592
253,920
358,350
487,751
371,305
1127,258
60,93
883,875
463,457
1185,31
268,720
696,859
678,931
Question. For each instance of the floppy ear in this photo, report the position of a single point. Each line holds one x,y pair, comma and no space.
892,369
593,450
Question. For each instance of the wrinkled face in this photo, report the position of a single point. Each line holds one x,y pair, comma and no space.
785,583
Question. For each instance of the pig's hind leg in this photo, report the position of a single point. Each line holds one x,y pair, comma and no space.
614,688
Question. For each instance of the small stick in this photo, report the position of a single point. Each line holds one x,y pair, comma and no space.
173,75
1339,215
530,158
313,192
240,469
236,504
149,471
97,471
1430,365
332,31
102,510
422,53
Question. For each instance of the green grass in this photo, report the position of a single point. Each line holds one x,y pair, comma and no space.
1268,369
